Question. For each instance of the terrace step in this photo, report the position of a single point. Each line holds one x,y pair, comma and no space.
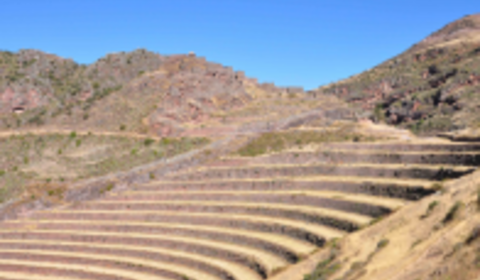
4,275
338,219
45,268
288,248
287,198
390,203
149,269
417,171
370,156
409,146
393,188
174,264
99,258
256,260
220,268
237,218
311,233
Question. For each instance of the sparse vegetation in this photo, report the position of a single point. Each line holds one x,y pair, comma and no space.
474,235
430,209
278,141
57,158
382,243
324,269
452,212
148,142
438,187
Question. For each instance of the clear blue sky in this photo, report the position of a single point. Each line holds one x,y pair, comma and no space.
290,42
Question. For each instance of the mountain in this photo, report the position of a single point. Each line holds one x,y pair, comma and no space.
432,87
140,92
143,166
62,122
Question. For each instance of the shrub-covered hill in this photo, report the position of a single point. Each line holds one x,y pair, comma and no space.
434,86
140,92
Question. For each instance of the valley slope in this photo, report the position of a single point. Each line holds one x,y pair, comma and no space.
432,87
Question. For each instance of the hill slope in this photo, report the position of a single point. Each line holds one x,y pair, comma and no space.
140,92
431,87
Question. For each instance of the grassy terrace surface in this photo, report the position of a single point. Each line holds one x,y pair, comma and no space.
417,171
248,219
43,165
278,141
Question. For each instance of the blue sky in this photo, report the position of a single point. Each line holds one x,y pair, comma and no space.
289,42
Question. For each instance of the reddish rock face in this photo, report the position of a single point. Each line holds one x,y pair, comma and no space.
196,89
11,99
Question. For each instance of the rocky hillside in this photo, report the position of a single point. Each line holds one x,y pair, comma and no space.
139,92
429,88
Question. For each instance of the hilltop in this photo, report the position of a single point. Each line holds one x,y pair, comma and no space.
429,88
140,92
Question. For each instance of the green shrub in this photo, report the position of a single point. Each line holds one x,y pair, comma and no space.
148,142
324,270
474,235
166,141
378,113
430,209
382,243
453,212
437,187
432,205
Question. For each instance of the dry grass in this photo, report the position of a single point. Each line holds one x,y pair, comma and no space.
420,245
283,140
32,161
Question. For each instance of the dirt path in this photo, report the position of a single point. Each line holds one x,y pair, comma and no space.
5,134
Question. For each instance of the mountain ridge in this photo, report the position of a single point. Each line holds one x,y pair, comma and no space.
429,88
